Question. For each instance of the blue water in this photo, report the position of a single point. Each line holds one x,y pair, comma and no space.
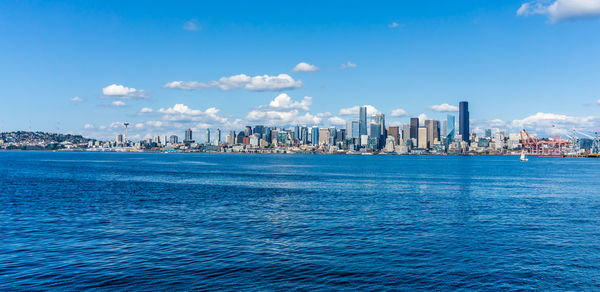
277,222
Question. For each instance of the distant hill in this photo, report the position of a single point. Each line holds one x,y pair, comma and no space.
41,137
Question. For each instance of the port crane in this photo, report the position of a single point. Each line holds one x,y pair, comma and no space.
595,149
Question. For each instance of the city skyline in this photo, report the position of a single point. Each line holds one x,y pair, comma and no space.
86,68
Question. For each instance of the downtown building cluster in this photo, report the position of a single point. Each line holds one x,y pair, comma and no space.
366,134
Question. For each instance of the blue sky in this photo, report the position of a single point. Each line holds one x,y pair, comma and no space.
518,63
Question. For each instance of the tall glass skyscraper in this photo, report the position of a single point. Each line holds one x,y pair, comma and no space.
315,135
463,120
362,121
450,132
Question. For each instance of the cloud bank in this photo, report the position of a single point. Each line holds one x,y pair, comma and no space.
241,81
559,10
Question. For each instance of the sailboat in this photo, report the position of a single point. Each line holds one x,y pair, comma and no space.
523,157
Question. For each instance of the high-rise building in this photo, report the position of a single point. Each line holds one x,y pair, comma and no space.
432,132
324,135
304,133
207,136
218,137
119,139
362,121
405,132
451,124
394,131
349,128
414,128
422,140
188,136
375,135
444,128
463,120
488,133
247,131
315,135
260,130
297,132
173,139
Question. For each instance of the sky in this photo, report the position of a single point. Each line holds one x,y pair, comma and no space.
85,67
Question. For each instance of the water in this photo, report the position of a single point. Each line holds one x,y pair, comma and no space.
278,222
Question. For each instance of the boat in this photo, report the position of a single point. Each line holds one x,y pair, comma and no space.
523,157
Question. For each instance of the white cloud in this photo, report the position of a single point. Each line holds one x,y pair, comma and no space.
123,92
337,121
118,103
76,99
551,123
443,108
305,67
192,25
139,125
394,25
283,111
241,81
284,101
183,113
371,110
598,102
348,65
422,118
399,113
559,10
145,110
89,126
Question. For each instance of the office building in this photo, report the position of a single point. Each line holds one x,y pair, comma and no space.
315,136
188,136
405,133
432,132
218,137
463,120
362,121
207,136
422,138
119,139
451,124
414,128
173,139
394,131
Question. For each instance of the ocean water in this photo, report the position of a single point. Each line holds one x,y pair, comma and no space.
139,221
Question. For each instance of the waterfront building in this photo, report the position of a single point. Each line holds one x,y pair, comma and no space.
463,120
362,121
174,139
363,140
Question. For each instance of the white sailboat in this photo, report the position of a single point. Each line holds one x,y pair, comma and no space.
523,157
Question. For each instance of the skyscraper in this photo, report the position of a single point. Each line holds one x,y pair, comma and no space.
450,132
315,135
394,131
207,136
362,121
414,128
188,136
405,132
218,137
432,132
422,140
463,120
